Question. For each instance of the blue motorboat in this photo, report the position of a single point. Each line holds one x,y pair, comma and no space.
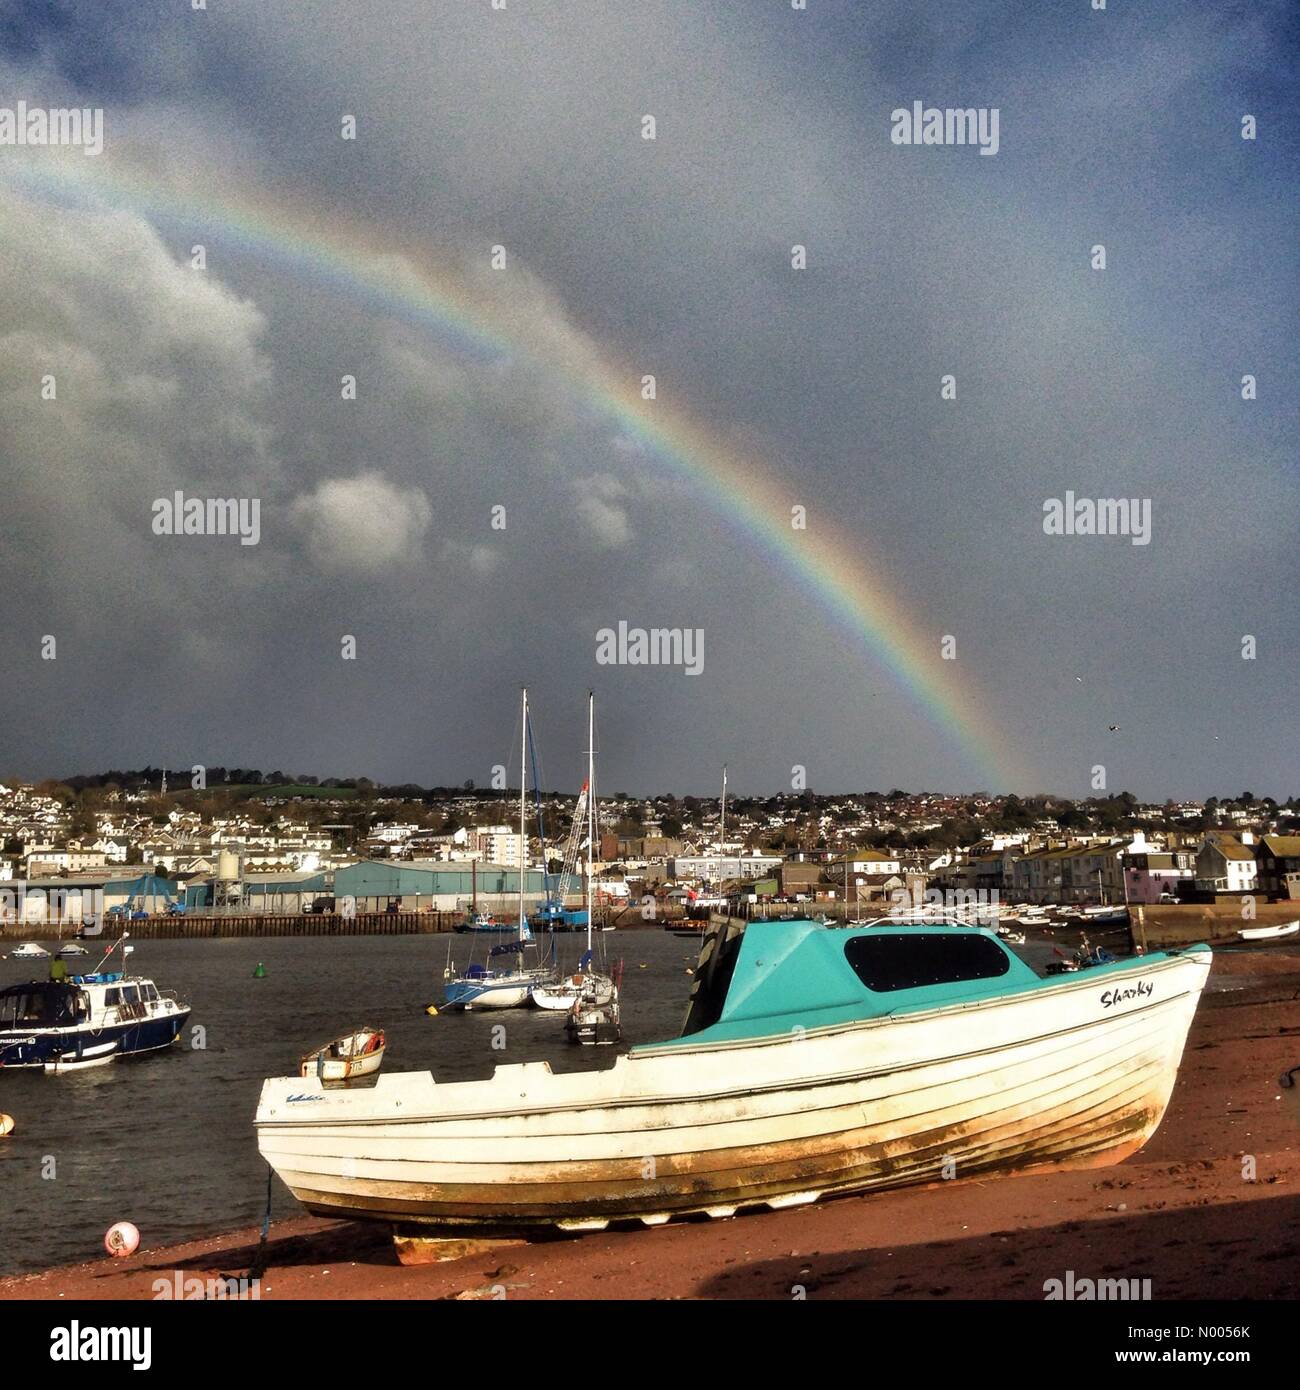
78,1021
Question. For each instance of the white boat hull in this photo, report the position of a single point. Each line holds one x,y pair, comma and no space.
500,997
345,1068
1269,933
556,997
1076,1074
96,1055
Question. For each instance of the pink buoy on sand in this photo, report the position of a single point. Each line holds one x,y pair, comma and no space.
121,1239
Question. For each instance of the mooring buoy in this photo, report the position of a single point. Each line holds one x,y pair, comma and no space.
121,1239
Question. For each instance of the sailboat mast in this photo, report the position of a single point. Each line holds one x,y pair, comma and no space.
722,830
591,798
523,807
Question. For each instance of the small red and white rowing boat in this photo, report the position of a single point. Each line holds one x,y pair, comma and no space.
355,1054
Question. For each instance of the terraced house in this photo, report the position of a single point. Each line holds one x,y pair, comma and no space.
1277,858
1225,865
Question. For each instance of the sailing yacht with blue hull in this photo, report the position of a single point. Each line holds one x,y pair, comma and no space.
85,1020
510,986
486,988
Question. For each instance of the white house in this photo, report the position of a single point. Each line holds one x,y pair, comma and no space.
1225,865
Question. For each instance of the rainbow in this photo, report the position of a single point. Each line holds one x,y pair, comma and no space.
377,268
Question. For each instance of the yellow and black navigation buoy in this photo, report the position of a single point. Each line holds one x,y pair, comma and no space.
260,972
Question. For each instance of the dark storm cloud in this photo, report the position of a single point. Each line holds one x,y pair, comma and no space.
521,127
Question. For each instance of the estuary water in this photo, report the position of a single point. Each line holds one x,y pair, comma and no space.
167,1141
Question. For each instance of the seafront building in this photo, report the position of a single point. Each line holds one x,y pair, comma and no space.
278,856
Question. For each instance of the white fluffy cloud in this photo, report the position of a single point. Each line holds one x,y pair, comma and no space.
363,525
600,505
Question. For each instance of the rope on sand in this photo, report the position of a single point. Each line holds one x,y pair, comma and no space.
258,1266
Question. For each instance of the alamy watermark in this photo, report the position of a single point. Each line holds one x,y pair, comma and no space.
179,515
90,1343
192,1288
56,125
948,125
656,646
1102,516
1096,1290
982,904
74,904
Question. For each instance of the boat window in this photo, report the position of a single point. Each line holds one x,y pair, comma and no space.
111,997
886,961
712,981
130,994
149,991
24,1008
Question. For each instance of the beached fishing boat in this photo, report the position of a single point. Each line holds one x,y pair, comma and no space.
814,1062
355,1054
1269,933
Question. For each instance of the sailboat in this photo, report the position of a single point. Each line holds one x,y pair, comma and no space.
551,915
510,984
594,1016
1104,914
564,993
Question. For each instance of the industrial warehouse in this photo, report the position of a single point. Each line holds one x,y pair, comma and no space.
368,886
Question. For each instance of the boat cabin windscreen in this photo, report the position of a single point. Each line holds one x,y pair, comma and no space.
47,1006
886,961
712,982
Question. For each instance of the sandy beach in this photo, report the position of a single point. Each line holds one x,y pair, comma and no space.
1209,1209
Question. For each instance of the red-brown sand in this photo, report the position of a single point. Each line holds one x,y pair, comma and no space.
1209,1209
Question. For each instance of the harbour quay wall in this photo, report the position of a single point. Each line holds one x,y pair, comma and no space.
199,926
1181,924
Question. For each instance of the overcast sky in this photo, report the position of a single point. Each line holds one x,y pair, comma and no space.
522,128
